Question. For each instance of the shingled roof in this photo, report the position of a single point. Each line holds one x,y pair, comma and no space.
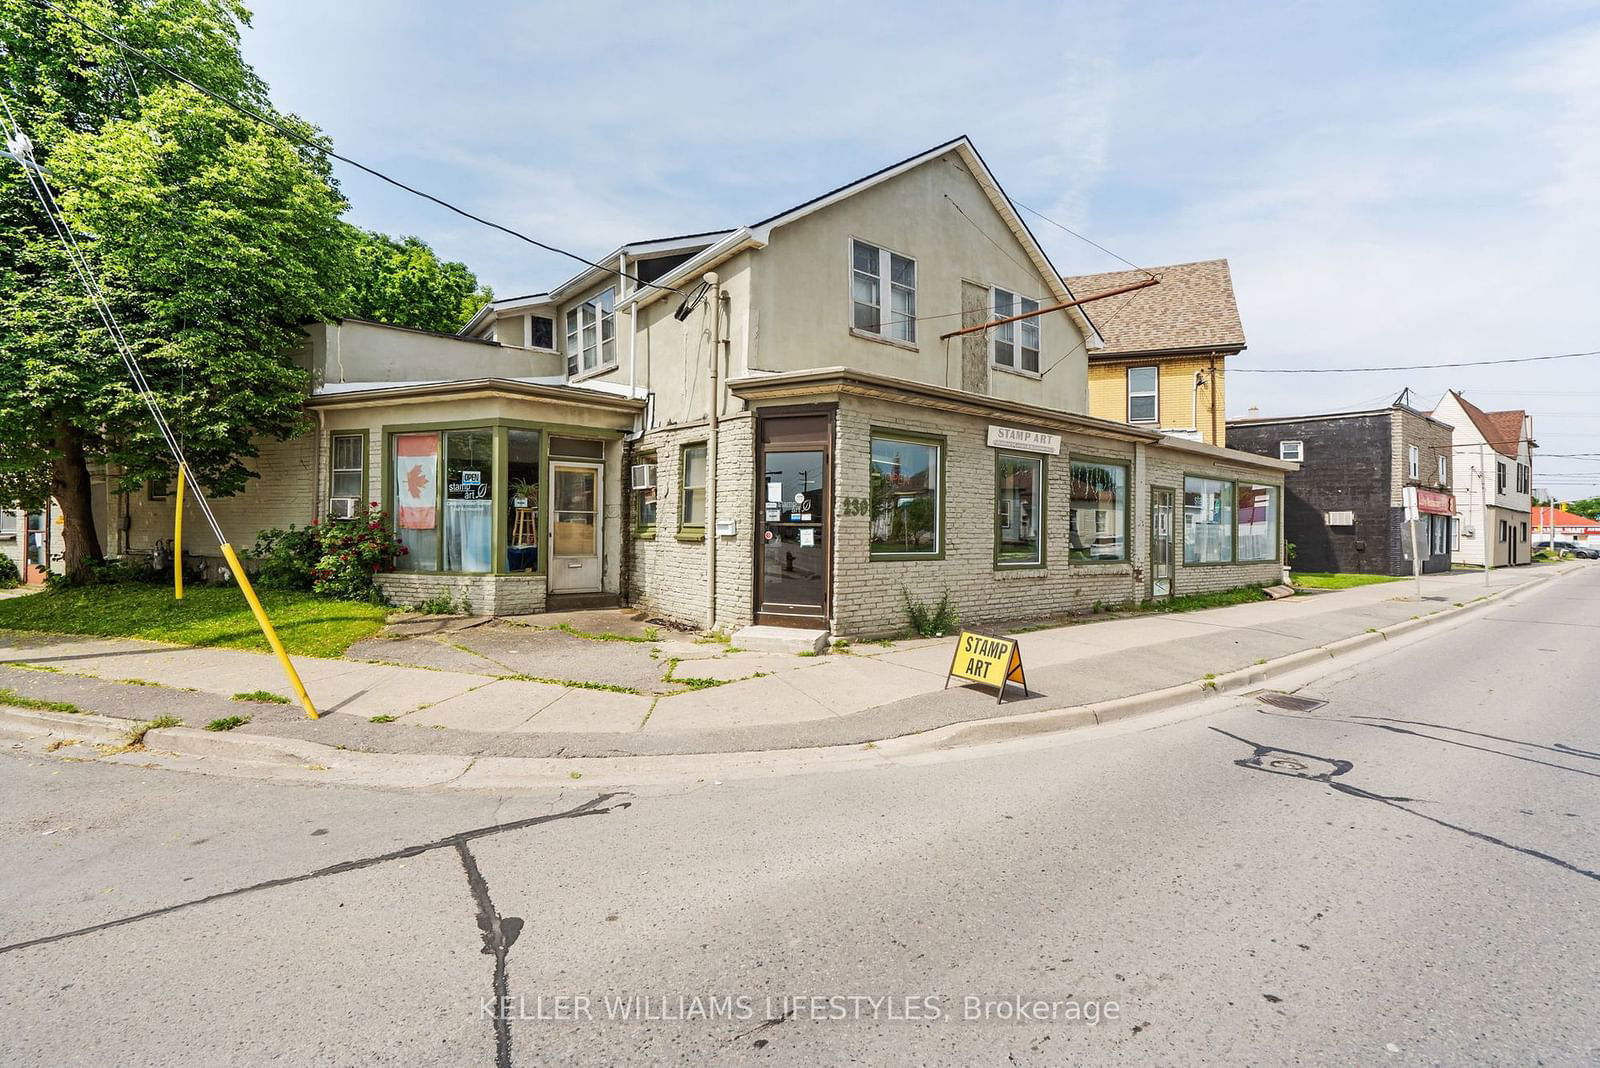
1502,430
1192,310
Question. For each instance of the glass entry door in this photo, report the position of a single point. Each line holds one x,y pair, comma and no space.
793,503
1161,543
576,515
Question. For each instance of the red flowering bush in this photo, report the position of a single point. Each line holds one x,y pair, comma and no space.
335,559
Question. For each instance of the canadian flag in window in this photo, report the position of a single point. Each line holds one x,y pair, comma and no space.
416,468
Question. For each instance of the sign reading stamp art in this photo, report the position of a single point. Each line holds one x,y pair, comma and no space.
990,660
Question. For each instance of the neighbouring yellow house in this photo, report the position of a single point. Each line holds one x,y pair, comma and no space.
1163,363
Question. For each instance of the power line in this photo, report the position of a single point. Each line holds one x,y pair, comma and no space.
1404,367
1081,237
315,146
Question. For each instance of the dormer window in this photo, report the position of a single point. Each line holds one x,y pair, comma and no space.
592,334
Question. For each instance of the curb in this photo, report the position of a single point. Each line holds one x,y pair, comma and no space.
313,760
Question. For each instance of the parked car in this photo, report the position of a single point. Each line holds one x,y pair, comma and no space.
1571,548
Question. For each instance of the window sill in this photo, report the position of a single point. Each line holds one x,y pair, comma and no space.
892,342
1018,371
892,557
692,534
1039,570
595,372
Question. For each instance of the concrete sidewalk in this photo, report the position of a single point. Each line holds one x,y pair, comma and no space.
700,697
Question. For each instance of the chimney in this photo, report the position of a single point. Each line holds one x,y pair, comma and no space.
1253,413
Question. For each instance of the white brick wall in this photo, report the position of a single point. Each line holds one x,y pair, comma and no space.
495,595
869,595
668,574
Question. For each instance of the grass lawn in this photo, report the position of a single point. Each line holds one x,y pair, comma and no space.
1195,602
1330,580
207,615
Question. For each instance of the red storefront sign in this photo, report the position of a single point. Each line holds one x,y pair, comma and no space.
1432,502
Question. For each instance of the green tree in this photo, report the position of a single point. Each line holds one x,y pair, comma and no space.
213,238
1588,507
404,283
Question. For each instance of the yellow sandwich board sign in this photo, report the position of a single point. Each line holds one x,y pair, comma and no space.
987,659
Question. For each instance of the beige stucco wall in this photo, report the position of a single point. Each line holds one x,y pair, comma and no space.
354,351
801,287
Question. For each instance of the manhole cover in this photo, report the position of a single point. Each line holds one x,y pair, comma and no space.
1289,702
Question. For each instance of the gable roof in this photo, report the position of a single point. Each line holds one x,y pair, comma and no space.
1192,310
759,234
1501,430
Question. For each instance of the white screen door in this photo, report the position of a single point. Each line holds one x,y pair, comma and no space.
577,519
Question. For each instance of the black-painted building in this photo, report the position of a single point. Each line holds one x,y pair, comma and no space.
1344,510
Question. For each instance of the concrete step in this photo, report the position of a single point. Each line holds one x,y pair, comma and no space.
763,639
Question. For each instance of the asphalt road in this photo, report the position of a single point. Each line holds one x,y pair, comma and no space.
1408,874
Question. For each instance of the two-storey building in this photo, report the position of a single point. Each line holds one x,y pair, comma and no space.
876,395
1163,365
1345,507
1493,481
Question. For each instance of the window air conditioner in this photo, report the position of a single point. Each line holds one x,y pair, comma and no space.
341,507
644,476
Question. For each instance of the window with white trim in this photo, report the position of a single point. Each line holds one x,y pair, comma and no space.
347,466
1014,346
592,334
1413,463
1143,384
1444,470
874,271
1292,450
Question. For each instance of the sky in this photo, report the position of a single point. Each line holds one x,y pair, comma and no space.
1392,183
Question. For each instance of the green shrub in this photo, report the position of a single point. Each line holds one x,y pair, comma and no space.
334,559
442,604
936,622
10,577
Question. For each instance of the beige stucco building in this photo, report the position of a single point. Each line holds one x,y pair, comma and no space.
773,424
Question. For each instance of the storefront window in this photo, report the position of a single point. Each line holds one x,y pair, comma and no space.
415,463
1099,516
1258,523
1207,521
692,504
905,497
1019,518
522,500
468,500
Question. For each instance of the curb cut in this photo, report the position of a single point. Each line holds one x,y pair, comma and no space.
324,763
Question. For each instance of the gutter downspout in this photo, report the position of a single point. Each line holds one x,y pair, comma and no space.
712,406
1211,395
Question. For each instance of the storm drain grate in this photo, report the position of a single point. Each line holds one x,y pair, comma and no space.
1289,702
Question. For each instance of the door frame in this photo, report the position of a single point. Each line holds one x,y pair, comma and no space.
1172,543
829,413
598,468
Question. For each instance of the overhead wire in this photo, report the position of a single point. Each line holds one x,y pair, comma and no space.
316,146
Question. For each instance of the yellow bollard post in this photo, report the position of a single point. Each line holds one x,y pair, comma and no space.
177,542
266,628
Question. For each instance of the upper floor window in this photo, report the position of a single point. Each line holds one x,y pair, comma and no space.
1143,383
874,271
1500,478
1523,480
1015,345
1291,450
1444,471
541,332
592,334
1413,463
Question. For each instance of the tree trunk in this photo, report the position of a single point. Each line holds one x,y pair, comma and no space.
70,485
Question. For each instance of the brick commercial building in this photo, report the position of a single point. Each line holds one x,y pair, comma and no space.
774,423
1345,507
